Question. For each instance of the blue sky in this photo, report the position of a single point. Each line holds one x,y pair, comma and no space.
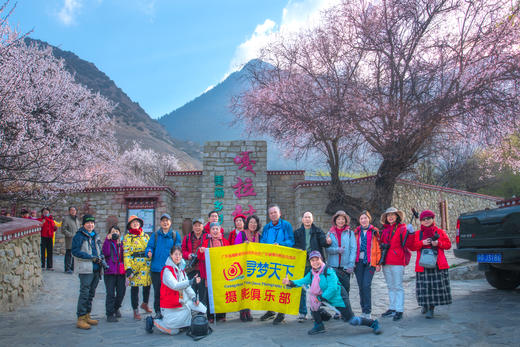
163,53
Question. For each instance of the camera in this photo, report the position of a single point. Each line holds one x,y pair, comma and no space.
384,250
435,236
115,236
193,260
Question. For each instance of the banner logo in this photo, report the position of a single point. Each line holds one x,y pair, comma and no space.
234,272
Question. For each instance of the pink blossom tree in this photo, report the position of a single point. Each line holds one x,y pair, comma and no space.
401,80
51,128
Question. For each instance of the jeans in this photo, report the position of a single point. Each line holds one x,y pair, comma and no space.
344,278
69,260
364,274
87,290
303,297
156,282
394,281
134,296
46,244
116,288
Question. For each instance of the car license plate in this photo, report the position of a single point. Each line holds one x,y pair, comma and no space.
489,258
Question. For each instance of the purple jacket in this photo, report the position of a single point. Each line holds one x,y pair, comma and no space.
114,257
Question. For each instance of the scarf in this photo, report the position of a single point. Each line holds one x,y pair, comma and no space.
338,232
428,232
216,242
315,290
251,236
135,232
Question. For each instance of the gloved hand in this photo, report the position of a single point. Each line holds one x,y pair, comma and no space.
410,229
129,272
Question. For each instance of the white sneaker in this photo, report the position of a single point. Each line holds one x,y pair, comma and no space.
302,317
366,315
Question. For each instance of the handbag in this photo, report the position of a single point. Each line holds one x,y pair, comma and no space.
428,258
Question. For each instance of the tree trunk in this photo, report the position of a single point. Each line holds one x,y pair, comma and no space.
338,199
384,186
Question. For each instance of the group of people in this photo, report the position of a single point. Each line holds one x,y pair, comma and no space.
175,266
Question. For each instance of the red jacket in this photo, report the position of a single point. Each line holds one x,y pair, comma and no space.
48,227
444,243
202,256
396,253
232,236
169,297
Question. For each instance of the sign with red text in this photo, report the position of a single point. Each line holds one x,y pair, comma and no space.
250,275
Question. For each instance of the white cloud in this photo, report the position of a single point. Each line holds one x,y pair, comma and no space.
67,14
296,15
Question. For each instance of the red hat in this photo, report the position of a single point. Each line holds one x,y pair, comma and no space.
239,216
426,214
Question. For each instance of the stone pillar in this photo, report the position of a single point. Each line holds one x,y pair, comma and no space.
234,179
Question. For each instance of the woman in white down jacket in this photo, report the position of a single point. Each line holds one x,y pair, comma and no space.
178,299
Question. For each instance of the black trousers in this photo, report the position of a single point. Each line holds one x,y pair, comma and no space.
115,287
69,260
156,282
134,296
46,244
87,290
344,278
198,288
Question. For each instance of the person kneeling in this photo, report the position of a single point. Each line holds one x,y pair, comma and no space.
325,288
178,299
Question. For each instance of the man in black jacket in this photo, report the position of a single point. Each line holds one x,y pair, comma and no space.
309,238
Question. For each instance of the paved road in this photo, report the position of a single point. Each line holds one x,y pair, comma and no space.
479,316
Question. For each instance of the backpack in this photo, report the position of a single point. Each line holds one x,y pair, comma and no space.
406,251
199,327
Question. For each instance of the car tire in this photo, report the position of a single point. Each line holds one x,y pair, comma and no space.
503,279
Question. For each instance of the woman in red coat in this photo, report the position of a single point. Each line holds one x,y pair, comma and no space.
432,284
394,238
214,239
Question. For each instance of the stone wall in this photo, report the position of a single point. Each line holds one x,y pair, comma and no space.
280,191
223,159
20,266
408,194
109,206
187,185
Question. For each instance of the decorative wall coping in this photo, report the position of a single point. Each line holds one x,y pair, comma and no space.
129,189
286,172
184,173
18,228
403,181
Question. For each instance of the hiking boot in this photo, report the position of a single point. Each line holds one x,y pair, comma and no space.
267,315
243,316
149,325
317,329
248,316
137,316
398,316
376,328
366,315
118,314
429,313
145,307
90,320
82,323
388,313
302,317
424,309
112,319
279,318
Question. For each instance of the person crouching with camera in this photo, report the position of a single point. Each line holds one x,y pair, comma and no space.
324,287
178,299
114,276
431,267
86,248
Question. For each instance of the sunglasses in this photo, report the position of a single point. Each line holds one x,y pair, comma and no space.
426,218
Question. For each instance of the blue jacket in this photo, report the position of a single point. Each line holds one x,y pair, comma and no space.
281,233
161,249
349,245
86,246
329,285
